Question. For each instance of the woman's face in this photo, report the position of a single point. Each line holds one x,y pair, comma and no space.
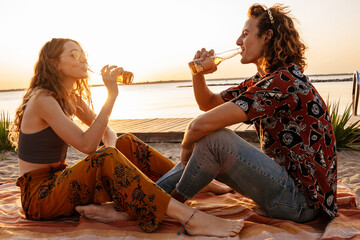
73,63
251,44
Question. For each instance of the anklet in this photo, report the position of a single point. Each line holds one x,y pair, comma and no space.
183,226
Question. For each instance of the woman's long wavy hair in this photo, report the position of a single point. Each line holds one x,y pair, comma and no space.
49,80
285,47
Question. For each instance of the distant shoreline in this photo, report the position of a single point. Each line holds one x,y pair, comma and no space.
313,81
216,79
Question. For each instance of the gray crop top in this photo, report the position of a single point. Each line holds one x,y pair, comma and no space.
41,147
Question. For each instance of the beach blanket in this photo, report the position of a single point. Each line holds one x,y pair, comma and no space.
346,225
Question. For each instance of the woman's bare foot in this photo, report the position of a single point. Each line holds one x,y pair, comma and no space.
102,213
201,223
217,188
205,224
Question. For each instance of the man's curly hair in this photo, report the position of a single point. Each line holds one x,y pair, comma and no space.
285,47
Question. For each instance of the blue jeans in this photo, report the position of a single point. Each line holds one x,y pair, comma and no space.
168,181
224,156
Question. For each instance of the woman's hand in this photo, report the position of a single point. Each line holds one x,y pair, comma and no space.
185,155
109,75
204,54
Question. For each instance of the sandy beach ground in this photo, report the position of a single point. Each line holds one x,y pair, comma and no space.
348,163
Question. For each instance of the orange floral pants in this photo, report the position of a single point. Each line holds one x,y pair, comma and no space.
124,175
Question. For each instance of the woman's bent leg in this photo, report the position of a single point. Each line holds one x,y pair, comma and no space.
230,159
103,176
151,162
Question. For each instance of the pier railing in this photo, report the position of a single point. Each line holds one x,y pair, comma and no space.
355,92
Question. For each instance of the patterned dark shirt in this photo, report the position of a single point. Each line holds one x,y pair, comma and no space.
293,124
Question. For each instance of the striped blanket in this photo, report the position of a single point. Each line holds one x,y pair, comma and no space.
13,225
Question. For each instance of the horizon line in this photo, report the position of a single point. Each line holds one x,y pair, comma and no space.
189,80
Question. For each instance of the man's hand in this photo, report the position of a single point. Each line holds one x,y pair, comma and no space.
185,155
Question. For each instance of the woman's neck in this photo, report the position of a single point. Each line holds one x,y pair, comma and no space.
69,84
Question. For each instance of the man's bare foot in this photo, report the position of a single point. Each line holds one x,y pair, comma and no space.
217,188
205,224
102,213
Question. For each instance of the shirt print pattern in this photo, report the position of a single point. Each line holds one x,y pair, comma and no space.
293,124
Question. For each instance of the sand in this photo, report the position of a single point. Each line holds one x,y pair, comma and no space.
348,163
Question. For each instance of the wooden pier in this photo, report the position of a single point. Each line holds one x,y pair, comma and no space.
172,129
169,129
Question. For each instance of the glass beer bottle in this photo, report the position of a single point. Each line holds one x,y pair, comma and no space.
125,77
198,66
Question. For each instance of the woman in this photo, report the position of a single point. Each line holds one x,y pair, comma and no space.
43,129
294,176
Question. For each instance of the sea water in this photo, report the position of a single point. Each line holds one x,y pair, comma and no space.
171,99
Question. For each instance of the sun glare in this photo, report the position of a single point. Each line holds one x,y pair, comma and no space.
156,39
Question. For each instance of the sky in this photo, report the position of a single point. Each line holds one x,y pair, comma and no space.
155,39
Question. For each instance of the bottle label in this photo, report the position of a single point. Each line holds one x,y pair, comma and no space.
198,66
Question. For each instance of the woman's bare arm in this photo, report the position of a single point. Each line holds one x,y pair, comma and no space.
87,116
85,141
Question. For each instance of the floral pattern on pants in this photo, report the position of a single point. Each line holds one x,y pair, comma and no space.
109,174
